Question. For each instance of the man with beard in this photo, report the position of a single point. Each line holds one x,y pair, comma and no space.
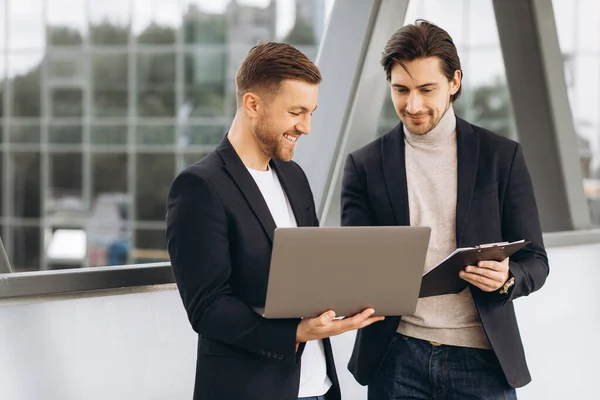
221,216
471,187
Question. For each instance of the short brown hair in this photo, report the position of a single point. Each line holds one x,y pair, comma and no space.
419,40
269,63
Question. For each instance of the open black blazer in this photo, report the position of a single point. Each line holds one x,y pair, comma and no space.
495,203
219,236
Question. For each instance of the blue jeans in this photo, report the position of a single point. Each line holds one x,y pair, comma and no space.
312,398
416,369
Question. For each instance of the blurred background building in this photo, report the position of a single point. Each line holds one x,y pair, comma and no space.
103,102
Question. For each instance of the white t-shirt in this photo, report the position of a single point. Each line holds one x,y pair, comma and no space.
313,373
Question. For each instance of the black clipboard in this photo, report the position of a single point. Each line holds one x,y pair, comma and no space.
444,278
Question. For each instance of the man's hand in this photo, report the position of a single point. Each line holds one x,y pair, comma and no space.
325,325
488,276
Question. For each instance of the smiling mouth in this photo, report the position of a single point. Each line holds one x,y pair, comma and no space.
290,138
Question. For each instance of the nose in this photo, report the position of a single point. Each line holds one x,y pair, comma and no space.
414,103
304,125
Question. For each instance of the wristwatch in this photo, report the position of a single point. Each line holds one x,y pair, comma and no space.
507,285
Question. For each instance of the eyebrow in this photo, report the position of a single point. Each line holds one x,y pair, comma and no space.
304,109
425,85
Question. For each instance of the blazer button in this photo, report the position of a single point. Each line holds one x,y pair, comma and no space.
268,353
280,357
262,352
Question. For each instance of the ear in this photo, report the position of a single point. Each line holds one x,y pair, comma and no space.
455,82
251,104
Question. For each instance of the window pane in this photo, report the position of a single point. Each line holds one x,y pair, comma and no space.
156,85
66,27
202,134
66,67
156,21
3,23
192,158
26,24
25,70
109,22
65,133
205,79
109,134
155,173
150,246
26,184
107,234
587,25
203,28
65,201
2,187
25,254
67,102
24,133
109,174
155,134
482,29
110,96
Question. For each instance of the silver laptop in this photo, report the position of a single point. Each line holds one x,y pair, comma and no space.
345,269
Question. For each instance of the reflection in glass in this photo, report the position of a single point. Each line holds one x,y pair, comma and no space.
24,70
192,158
67,102
150,246
156,84
24,133
26,184
67,24
109,22
155,134
156,21
64,205
155,173
65,133
202,134
203,28
65,67
588,25
25,251
3,23
2,188
108,239
205,83
110,72
109,134
26,24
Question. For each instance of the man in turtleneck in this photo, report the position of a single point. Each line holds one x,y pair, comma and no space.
471,187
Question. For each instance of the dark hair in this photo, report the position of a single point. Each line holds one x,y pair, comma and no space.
269,63
419,40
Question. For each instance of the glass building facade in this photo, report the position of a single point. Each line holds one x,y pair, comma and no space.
103,102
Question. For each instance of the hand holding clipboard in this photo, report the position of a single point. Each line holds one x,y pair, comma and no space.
444,278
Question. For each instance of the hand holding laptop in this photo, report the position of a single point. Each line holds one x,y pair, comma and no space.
325,325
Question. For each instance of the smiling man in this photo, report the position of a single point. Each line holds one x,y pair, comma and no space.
471,187
221,216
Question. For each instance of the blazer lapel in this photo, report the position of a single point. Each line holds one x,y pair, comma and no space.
292,193
394,171
242,178
468,156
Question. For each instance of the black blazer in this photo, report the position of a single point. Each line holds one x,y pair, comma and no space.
219,236
495,203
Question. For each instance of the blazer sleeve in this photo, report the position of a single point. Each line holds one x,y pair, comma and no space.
198,245
354,198
520,220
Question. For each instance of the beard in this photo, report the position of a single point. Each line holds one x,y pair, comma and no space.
269,141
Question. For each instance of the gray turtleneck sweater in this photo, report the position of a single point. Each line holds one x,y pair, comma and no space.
431,172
